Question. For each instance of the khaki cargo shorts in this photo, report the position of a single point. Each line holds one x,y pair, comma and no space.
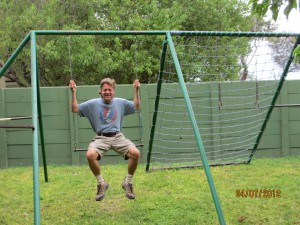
119,143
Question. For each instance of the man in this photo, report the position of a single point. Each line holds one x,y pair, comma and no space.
105,115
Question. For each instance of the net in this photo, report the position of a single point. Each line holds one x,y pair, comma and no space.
231,83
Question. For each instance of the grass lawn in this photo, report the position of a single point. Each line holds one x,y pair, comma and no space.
162,197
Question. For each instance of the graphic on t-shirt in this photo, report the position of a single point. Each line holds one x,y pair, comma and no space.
108,115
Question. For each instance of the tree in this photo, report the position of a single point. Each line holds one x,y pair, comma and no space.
281,54
89,58
261,8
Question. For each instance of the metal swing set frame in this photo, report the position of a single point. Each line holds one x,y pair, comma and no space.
37,123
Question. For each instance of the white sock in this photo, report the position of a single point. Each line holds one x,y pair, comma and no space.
99,179
129,178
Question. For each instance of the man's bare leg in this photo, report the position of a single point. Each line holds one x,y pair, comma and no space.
92,156
134,155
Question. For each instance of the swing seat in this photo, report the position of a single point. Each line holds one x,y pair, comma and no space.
140,145
84,150
80,150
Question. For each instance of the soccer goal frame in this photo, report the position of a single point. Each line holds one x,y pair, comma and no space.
168,43
174,95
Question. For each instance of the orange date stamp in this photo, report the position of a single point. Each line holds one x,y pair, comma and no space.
258,193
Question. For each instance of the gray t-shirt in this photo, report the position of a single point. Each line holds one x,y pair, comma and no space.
105,118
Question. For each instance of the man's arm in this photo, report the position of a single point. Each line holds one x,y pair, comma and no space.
136,97
72,86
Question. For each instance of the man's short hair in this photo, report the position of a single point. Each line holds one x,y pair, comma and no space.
109,81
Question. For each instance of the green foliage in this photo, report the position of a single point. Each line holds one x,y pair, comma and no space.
262,7
296,54
221,15
162,197
209,58
123,58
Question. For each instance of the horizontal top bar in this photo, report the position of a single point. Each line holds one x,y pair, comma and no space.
96,32
163,32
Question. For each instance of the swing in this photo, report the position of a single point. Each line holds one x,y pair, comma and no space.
75,149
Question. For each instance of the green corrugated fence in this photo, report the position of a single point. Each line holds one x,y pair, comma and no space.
62,129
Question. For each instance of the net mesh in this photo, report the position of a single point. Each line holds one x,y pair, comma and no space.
231,82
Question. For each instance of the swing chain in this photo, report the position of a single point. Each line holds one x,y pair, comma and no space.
72,78
136,77
256,95
219,96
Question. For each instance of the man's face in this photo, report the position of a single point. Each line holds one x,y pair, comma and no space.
107,93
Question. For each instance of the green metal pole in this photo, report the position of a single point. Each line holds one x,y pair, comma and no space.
235,34
97,32
282,79
158,89
196,131
36,186
40,118
163,32
14,55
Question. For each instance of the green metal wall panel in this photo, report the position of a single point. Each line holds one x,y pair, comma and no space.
268,153
3,144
